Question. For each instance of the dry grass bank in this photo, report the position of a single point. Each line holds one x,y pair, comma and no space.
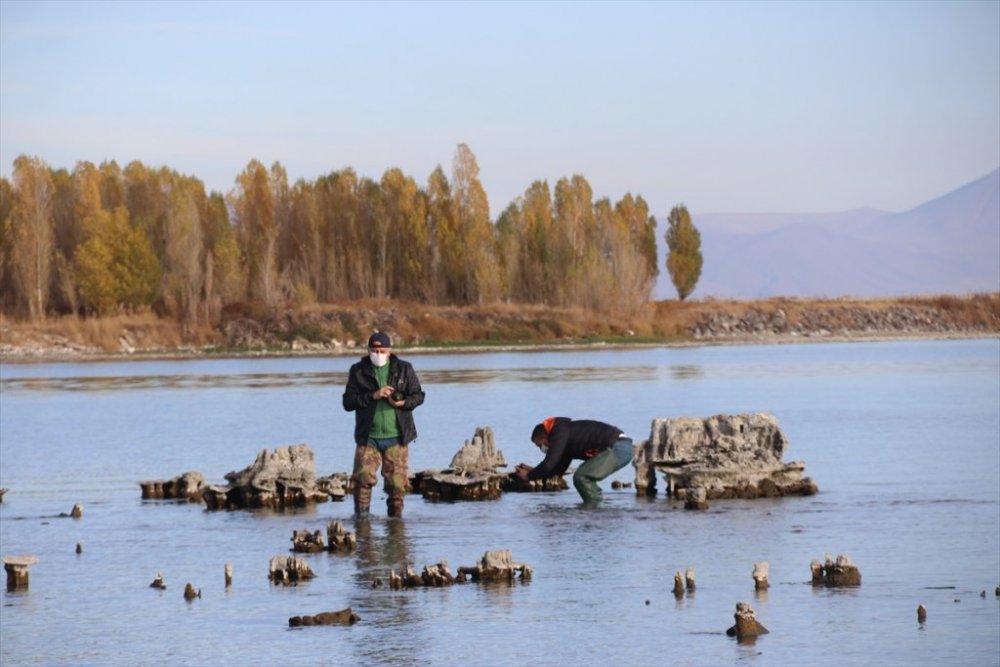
341,327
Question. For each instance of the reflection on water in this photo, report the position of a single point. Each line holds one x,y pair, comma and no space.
298,379
685,371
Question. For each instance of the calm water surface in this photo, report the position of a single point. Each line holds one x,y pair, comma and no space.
903,439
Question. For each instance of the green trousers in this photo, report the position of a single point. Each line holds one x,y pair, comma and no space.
593,470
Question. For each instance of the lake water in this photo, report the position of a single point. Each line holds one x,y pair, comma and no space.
902,438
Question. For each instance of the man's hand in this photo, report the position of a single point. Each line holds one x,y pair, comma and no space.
522,470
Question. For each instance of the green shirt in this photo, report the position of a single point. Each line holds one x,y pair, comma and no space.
384,425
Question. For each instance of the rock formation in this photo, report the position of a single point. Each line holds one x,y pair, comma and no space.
495,566
339,539
337,485
760,574
188,486
17,571
289,570
729,456
436,575
190,592
834,573
473,474
283,478
747,626
308,543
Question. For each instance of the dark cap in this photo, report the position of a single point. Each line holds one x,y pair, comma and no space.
379,339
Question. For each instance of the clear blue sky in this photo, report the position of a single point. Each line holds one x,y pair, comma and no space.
726,107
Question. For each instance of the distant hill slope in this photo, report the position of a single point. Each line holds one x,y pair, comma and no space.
950,245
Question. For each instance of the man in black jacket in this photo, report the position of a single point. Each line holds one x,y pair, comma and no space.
382,391
603,448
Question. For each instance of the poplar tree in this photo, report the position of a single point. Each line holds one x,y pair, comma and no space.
476,255
684,251
6,208
32,234
405,209
224,274
302,249
253,205
183,269
444,237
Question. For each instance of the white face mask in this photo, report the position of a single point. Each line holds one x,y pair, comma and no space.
544,448
379,359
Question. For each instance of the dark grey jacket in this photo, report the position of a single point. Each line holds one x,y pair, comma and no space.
361,383
574,439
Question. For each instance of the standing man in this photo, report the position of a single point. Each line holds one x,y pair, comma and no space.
382,391
603,448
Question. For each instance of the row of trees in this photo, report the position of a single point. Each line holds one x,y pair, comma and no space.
102,239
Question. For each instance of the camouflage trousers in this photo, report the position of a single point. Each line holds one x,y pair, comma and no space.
395,473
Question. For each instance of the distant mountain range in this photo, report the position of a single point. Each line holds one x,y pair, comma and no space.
950,245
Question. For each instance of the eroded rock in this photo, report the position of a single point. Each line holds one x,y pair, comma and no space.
834,573
436,575
747,626
17,571
308,543
188,486
729,456
337,486
760,574
472,474
339,539
283,478
289,570
496,566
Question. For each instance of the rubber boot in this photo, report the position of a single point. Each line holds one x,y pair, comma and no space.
395,505
362,501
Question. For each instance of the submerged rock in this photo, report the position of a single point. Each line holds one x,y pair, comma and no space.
834,573
190,592
309,543
337,486
289,570
339,539
747,626
342,617
493,566
436,575
496,566
16,568
283,478
728,456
